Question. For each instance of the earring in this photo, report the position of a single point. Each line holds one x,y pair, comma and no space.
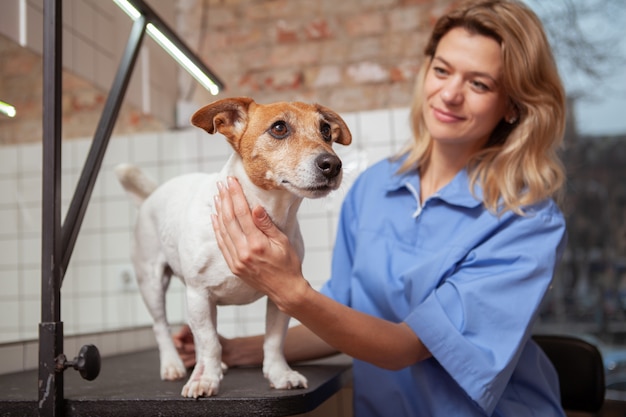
511,120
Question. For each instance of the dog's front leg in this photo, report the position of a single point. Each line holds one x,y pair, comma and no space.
207,374
275,367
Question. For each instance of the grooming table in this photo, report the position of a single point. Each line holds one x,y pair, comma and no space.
129,385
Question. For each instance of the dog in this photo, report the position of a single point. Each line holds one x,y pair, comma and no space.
282,154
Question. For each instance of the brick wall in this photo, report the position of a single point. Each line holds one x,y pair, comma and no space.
21,84
351,55
95,33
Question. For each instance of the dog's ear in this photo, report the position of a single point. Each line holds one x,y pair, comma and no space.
228,116
340,131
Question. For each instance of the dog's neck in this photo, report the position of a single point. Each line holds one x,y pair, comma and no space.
281,205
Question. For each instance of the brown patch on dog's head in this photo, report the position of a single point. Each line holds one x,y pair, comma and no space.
340,132
228,117
284,145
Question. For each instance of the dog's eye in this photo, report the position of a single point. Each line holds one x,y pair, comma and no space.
279,130
326,132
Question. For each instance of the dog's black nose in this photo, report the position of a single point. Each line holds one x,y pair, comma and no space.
329,165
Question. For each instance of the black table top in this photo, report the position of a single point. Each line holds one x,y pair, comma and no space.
129,385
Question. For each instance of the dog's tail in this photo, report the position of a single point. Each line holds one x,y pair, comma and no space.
137,184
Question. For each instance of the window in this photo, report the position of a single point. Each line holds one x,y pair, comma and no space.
588,297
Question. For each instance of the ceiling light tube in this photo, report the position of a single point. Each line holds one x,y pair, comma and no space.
128,8
7,109
155,29
182,59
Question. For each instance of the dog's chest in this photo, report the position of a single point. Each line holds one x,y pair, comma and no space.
198,261
233,291
182,210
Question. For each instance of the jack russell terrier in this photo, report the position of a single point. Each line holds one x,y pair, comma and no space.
283,153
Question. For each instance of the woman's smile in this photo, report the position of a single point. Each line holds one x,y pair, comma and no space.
446,117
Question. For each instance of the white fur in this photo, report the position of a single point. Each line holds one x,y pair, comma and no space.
174,236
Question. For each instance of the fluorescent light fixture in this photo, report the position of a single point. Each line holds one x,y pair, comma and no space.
7,109
182,59
128,8
171,48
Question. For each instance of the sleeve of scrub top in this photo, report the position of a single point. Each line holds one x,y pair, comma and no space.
475,323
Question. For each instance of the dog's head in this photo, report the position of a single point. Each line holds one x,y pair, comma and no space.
283,145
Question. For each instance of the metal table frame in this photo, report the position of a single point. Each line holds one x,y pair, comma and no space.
58,239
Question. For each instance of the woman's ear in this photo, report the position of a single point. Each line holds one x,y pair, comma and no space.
511,116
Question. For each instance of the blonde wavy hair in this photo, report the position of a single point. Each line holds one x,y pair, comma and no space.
520,164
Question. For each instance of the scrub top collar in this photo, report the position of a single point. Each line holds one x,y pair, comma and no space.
456,192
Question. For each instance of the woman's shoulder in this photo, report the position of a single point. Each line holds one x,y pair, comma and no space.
544,210
372,183
387,164
540,222
383,171
378,177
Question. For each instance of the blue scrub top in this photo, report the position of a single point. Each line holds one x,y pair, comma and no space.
467,282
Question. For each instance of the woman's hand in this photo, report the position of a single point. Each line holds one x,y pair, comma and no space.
253,247
235,352
261,255
300,345
184,343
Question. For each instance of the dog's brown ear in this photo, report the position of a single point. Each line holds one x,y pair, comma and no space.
341,133
228,116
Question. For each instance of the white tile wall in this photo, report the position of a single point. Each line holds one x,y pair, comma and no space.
34,25
97,294
10,20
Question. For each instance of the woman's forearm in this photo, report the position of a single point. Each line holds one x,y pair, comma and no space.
383,343
300,345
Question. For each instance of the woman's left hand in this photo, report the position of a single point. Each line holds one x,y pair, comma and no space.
253,247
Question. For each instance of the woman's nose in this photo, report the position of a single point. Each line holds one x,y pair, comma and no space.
452,94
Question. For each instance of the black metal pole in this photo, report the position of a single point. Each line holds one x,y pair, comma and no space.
78,206
51,328
58,240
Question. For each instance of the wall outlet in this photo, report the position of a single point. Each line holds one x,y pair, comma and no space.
127,281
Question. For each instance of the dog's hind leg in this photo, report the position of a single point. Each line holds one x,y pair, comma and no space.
207,374
153,280
275,367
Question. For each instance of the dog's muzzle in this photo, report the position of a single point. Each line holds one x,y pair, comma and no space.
329,165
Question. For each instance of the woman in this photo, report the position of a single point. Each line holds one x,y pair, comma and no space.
444,253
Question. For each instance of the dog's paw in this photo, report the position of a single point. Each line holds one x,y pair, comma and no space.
204,381
203,387
173,370
287,379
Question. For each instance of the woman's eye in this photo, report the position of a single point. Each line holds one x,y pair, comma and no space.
439,71
480,86
279,130
326,132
